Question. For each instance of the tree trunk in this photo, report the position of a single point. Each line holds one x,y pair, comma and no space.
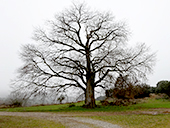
90,77
89,95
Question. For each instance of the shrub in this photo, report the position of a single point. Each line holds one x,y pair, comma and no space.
72,105
152,89
163,87
119,102
129,92
162,96
128,88
14,100
16,104
142,91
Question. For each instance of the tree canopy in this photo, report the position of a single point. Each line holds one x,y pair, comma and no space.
163,86
83,49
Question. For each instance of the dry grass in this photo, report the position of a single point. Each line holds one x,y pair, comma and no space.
27,122
137,121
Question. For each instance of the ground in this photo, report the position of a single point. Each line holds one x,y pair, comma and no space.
66,119
80,120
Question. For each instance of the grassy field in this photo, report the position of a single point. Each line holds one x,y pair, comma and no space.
25,122
129,120
147,104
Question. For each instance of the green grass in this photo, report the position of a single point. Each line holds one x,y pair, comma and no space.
137,121
127,121
152,103
25,122
148,104
46,108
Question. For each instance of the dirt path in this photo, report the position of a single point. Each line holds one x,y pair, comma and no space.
81,120
66,119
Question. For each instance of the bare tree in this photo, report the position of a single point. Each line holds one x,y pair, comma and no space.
83,49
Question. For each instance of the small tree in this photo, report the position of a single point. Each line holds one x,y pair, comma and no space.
163,87
83,49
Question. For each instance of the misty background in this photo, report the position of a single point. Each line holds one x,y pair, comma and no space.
148,22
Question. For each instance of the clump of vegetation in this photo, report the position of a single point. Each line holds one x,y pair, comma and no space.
163,87
119,102
16,104
13,100
72,105
129,92
125,88
162,96
126,91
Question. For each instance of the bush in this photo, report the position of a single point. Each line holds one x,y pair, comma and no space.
118,102
72,105
14,100
16,104
152,89
142,91
129,92
163,87
128,88
162,96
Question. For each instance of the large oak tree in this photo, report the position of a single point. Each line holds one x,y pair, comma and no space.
80,48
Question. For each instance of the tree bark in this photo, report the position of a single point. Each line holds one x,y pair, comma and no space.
90,77
89,95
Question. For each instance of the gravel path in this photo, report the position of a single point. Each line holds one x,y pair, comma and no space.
70,122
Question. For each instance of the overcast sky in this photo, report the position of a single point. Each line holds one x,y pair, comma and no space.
148,20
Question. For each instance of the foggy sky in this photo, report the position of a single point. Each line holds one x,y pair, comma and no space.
148,21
